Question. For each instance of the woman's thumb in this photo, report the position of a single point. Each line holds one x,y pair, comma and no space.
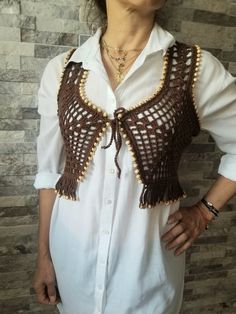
51,293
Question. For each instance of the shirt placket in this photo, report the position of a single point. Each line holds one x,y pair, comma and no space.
106,215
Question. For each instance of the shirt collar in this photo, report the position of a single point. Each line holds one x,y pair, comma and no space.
89,52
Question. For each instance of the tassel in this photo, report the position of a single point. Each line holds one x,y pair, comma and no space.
66,186
160,192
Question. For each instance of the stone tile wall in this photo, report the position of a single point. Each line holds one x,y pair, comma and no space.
32,32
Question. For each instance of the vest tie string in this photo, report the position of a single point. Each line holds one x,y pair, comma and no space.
116,135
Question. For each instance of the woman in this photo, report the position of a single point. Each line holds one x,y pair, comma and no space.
98,251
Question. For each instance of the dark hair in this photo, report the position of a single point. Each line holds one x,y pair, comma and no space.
101,5
101,13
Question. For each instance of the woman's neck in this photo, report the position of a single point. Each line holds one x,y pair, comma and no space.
126,27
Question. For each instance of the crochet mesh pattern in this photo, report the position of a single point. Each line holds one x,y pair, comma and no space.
156,131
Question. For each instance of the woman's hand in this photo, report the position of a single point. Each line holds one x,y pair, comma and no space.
190,223
44,282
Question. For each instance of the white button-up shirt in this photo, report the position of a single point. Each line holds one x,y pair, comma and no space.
107,252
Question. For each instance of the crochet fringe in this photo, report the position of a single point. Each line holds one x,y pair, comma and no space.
66,186
161,192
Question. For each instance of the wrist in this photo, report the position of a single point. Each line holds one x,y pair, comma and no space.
206,214
41,259
211,208
43,251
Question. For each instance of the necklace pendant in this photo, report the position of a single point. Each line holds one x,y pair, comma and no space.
121,67
119,77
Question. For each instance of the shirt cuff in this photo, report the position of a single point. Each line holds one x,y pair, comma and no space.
227,167
46,180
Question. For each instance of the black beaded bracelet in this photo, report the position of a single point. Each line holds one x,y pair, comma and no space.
210,207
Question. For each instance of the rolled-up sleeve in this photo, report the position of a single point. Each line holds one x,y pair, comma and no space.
50,146
216,102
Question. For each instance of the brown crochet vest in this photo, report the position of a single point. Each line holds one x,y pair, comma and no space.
156,130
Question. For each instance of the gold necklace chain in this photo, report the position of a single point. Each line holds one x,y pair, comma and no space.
120,70
119,49
121,60
125,52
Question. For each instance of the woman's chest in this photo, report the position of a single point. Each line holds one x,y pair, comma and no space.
139,84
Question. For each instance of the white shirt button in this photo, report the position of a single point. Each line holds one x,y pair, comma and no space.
112,170
108,201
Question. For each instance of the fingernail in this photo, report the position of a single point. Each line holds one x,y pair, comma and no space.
170,221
